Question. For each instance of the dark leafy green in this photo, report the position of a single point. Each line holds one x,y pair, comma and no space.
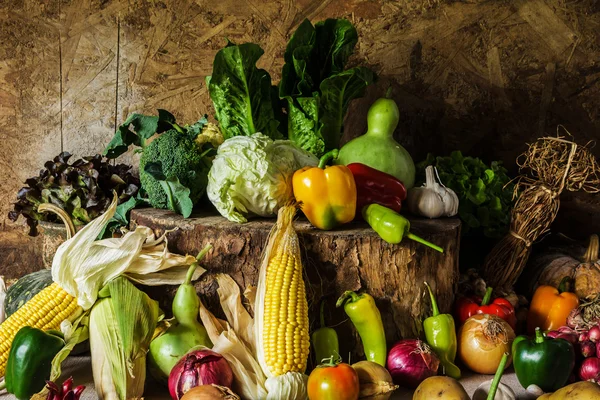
316,86
485,192
84,189
241,92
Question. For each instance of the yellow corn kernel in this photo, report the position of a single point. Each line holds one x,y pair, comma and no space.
46,310
286,338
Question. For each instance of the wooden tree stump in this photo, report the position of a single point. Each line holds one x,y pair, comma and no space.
352,258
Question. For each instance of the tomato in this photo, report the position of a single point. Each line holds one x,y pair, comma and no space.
333,381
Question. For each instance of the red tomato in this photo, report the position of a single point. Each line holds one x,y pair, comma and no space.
333,382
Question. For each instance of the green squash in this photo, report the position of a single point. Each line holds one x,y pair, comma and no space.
25,288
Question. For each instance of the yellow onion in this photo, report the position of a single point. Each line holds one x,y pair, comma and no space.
210,392
375,381
482,340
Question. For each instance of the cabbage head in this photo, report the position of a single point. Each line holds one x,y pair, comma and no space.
252,175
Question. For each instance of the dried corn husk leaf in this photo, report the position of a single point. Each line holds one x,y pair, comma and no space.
249,377
2,299
122,323
82,265
291,385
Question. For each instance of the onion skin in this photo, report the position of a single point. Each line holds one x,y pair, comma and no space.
588,349
590,369
375,381
411,361
481,351
197,368
584,336
594,334
213,392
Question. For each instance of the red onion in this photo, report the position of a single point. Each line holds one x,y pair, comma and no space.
200,367
590,369
572,338
594,333
411,361
553,334
565,329
584,336
588,349
598,349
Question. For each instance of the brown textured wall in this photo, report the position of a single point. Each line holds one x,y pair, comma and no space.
480,76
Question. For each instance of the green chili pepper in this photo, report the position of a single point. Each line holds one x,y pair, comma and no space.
391,226
366,317
543,361
30,360
325,341
441,336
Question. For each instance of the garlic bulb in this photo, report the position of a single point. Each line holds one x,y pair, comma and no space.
433,199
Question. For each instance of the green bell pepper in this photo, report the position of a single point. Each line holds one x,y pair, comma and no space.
543,361
365,316
441,336
30,361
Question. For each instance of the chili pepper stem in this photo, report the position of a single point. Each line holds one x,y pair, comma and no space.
487,297
333,154
348,293
497,377
423,241
434,306
192,268
388,93
563,286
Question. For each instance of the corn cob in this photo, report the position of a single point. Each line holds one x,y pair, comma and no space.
282,328
46,310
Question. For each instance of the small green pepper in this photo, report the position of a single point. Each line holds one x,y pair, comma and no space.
30,360
543,361
366,317
391,226
441,336
325,341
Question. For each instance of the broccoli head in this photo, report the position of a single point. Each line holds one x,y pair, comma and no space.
182,157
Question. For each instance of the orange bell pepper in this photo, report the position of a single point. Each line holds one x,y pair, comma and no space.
550,307
327,193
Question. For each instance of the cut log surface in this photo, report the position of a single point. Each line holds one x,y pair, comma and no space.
352,258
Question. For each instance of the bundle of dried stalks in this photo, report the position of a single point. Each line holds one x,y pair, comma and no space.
553,164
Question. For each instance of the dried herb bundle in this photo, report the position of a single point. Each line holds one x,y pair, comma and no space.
554,164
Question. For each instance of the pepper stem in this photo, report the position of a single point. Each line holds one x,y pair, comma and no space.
423,241
539,338
487,297
329,362
192,268
564,284
497,377
348,293
388,93
322,318
434,306
333,154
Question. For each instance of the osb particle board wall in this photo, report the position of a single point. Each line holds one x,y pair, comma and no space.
480,76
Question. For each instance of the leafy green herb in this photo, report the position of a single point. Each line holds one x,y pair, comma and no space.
84,189
241,92
485,192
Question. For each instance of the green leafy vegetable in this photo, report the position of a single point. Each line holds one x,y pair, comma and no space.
316,86
178,196
241,92
84,189
485,192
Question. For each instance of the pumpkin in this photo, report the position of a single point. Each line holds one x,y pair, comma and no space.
25,288
554,266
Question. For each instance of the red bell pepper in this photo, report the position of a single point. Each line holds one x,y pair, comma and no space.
376,187
469,306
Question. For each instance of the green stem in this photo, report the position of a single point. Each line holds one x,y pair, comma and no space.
423,241
348,293
333,154
539,338
177,128
388,93
329,362
497,377
322,319
194,266
434,306
564,284
487,297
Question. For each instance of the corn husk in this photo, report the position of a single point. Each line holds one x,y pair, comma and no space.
237,345
121,326
2,299
82,265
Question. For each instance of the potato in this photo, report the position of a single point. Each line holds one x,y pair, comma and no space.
440,387
575,391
